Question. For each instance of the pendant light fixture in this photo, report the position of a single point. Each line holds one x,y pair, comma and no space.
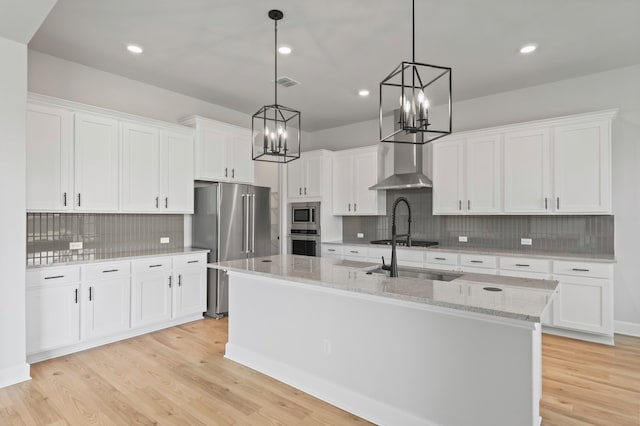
275,128
408,95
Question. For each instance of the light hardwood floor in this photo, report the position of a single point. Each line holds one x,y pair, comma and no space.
178,376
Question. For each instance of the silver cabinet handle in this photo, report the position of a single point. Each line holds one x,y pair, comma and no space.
154,266
468,204
193,261
558,203
233,172
54,277
523,265
459,204
166,202
78,199
305,190
179,280
354,251
225,172
90,294
441,258
110,270
169,281
349,206
300,191
476,261
331,249
157,198
546,207
355,207
64,199
76,292
580,270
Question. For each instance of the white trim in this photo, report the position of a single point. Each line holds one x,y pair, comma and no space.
13,375
627,328
370,409
36,98
53,353
589,337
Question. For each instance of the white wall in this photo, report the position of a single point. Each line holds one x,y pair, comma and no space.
619,88
13,90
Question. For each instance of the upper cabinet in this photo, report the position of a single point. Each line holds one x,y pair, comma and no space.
556,166
222,151
306,176
85,159
354,171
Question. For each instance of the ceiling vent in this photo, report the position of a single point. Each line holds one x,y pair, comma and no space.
285,81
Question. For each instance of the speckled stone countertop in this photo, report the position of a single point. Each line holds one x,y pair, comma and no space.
497,252
110,257
518,298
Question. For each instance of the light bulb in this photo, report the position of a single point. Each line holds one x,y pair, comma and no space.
421,97
284,135
407,106
426,104
280,131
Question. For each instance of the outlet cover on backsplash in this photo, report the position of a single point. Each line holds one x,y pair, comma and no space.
526,241
463,239
165,240
360,235
77,245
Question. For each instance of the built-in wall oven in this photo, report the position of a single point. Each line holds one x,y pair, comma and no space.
304,229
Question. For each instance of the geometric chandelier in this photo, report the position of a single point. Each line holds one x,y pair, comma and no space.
275,128
407,96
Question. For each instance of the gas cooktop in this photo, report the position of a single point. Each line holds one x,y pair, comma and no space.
403,243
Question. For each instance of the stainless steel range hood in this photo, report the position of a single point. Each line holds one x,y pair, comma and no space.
407,169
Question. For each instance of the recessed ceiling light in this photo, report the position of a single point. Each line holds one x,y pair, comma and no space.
528,48
285,50
363,93
134,48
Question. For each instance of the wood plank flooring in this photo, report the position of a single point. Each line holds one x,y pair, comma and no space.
178,376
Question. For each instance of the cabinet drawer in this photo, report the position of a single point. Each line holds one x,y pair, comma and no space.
55,275
478,261
106,270
190,261
585,269
331,250
411,256
525,274
161,264
442,258
353,251
525,264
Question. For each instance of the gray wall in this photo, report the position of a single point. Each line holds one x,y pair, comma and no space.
618,88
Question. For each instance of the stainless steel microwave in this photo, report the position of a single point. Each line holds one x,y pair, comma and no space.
305,216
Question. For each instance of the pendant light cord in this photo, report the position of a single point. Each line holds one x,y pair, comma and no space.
275,54
413,23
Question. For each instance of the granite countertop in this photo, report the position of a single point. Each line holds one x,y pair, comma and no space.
109,257
497,252
520,298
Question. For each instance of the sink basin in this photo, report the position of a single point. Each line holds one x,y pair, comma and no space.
419,273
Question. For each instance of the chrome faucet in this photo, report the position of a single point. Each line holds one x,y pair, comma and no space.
393,268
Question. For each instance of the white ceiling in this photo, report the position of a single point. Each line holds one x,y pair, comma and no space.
221,51
19,20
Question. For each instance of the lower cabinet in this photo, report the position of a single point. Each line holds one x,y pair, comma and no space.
190,295
584,304
152,291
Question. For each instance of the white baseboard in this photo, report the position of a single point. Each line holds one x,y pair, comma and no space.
356,403
13,375
627,328
595,338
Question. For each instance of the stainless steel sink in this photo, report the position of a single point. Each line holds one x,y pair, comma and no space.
419,273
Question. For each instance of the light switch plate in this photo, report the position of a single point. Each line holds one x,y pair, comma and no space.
165,240
76,245
360,235
526,241
463,239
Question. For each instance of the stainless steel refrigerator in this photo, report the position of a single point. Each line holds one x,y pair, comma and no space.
232,220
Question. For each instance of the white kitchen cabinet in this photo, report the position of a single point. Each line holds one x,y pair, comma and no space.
190,291
526,171
53,308
140,168
356,253
151,295
447,261
478,263
354,171
222,151
96,163
176,172
105,299
332,250
582,167
448,180
304,176
49,179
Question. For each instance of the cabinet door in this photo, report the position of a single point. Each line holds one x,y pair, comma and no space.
210,153
365,174
483,170
105,307
313,177
342,185
583,304
96,163
526,171
447,178
240,163
190,293
49,135
295,178
176,173
140,168
581,172
53,317
151,298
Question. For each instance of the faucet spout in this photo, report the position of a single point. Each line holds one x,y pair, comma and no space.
393,272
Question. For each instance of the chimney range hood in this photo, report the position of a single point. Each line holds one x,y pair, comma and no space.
407,169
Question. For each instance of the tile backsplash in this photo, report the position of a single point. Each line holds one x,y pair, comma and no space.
582,235
102,235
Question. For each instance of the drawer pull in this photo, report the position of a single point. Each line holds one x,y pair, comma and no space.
154,266
331,249
193,261
477,261
354,251
54,277
441,258
524,265
110,270
580,270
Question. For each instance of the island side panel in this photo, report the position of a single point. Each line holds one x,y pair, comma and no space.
389,361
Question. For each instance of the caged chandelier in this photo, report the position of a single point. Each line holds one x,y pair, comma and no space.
275,128
407,95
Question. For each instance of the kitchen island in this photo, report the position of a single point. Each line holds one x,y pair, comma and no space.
395,351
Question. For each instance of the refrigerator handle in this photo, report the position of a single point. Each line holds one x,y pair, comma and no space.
253,223
244,248
247,223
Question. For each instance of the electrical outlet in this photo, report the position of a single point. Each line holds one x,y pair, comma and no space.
526,241
360,235
76,245
463,239
165,240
